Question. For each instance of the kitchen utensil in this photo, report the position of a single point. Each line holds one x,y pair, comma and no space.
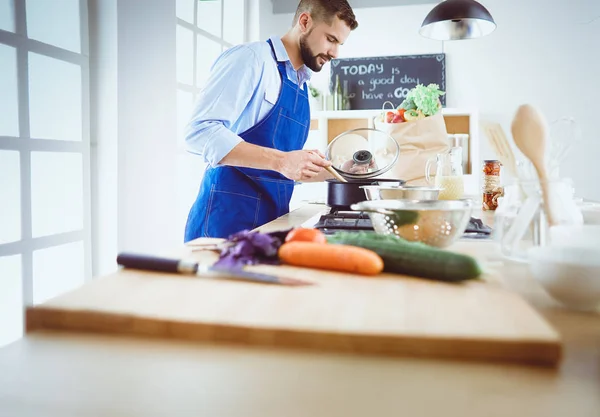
358,156
448,174
530,135
341,195
389,315
337,176
520,214
570,274
564,205
564,133
160,264
503,150
404,192
434,222
521,223
362,153
501,147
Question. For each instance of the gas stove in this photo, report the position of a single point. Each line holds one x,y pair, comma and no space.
336,220
349,221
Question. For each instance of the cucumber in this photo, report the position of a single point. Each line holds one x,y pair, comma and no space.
413,258
403,217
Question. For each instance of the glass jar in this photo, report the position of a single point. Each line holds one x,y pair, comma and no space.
520,221
491,189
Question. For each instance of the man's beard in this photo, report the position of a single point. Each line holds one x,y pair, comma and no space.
309,59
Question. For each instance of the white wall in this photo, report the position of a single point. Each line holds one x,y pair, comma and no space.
542,52
253,13
147,125
104,132
134,144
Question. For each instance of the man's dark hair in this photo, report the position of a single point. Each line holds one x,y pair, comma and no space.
325,10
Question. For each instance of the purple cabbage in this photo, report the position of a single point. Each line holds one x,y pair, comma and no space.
250,248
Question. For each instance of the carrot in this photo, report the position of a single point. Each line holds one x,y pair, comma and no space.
344,258
301,234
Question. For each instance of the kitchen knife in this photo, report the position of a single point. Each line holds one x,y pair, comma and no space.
182,266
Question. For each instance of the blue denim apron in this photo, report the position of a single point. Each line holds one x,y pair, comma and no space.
232,198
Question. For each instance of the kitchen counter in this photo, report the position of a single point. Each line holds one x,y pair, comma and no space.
68,374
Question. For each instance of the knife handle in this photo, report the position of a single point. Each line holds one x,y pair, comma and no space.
155,263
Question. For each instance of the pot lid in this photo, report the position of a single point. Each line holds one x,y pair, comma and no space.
362,153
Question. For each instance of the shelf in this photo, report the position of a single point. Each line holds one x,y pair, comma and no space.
328,124
360,114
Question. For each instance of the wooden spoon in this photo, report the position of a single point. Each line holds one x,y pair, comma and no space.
332,171
335,174
530,133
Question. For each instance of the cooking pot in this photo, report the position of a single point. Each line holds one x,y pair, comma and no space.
359,156
341,195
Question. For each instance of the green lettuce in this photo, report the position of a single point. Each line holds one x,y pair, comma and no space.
408,104
423,98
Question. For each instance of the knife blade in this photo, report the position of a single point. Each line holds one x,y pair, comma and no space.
182,266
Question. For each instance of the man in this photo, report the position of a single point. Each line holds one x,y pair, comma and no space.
251,122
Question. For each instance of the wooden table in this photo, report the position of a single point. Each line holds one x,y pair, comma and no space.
58,374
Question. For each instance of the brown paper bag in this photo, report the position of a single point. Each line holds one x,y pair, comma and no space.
419,140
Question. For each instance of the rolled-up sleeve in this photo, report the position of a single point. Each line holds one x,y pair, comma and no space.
233,81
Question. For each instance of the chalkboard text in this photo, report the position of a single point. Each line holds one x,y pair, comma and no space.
372,81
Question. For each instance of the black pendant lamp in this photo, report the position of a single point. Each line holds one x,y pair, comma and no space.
457,19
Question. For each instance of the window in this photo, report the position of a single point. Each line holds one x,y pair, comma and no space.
45,232
205,28
7,16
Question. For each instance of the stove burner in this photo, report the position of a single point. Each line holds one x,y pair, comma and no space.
352,221
357,221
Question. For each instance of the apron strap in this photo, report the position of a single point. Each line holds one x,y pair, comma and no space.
280,64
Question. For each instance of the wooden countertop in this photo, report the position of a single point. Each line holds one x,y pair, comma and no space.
67,374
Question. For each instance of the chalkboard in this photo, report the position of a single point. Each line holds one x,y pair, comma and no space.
372,81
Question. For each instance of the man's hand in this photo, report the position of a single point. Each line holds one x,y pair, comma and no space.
302,165
296,165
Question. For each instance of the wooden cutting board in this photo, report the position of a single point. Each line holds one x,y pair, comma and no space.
387,315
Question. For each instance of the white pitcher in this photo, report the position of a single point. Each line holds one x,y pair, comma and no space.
448,174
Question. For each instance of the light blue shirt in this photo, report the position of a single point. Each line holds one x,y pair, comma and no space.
243,86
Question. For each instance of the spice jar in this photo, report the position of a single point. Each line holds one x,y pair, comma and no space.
491,184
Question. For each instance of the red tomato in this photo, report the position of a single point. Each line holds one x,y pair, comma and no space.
301,234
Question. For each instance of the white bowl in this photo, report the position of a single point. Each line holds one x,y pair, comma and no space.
570,274
587,235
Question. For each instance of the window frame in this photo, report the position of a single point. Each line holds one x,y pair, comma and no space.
197,31
25,145
192,181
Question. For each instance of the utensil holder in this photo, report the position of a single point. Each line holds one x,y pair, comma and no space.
520,221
